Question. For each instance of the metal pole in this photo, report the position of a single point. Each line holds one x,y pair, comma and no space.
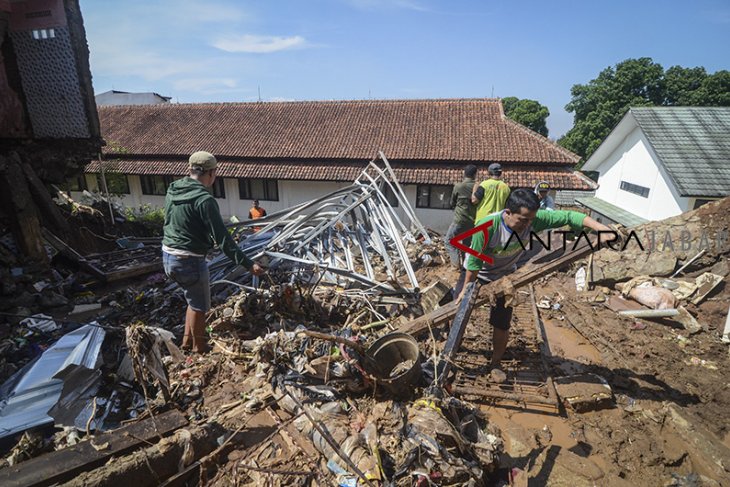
106,189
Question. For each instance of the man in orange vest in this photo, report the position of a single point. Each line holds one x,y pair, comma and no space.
255,213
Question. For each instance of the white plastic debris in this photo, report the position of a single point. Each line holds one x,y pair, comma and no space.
726,332
40,322
83,308
580,279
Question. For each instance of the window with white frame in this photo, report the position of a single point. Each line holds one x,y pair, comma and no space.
117,183
155,185
219,189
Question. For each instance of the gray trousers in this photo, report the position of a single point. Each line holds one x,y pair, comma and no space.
455,255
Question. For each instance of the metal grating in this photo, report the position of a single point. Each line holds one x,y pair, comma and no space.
528,380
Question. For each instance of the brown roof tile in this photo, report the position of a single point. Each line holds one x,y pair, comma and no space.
449,130
407,173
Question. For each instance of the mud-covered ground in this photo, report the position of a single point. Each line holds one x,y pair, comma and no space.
669,423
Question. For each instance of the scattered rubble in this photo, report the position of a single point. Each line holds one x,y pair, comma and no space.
311,381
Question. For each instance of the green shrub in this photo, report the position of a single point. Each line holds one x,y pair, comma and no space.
150,216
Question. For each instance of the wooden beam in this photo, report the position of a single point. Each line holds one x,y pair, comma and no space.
524,276
63,465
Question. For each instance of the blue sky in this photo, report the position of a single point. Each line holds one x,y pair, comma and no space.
223,50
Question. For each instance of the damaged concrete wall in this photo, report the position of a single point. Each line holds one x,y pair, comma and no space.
49,128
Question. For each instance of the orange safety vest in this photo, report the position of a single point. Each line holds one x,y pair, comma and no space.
257,213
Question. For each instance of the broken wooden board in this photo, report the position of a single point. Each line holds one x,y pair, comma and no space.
584,392
63,465
501,287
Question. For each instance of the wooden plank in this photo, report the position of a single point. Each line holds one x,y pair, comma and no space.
139,270
49,209
63,465
62,247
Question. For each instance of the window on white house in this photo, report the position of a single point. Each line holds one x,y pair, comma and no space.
219,189
433,196
258,189
155,185
117,183
40,34
635,189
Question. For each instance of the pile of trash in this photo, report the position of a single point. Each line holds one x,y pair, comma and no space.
371,426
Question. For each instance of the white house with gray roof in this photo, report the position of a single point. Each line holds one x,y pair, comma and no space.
659,162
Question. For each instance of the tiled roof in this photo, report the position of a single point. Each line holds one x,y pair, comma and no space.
693,143
345,171
449,130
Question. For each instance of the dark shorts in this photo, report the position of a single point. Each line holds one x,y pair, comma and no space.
192,274
500,316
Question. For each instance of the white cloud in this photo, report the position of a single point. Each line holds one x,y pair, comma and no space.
112,60
259,44
209,86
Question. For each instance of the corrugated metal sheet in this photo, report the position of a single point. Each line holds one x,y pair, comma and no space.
26,398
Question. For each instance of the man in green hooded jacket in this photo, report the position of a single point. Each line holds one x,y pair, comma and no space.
193,224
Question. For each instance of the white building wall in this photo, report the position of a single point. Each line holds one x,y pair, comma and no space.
634,161
290,194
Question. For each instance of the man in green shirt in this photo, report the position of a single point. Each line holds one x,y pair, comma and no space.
193,224
464,213
491,193
520,216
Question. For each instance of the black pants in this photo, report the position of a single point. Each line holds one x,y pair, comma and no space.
500,316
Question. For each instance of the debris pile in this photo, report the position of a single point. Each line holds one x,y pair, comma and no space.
311,380
352,238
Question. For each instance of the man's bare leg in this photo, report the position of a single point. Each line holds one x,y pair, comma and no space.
499,345
187,340
196,319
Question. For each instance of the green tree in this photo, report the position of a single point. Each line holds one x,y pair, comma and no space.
682,83
599,105
529,113
714,91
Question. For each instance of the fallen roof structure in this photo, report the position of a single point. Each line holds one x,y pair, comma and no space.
26,399
351,238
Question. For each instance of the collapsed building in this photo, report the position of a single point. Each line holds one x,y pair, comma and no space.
49,127
346,364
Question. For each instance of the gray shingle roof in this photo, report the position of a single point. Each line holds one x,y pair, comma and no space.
693,143
619,215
